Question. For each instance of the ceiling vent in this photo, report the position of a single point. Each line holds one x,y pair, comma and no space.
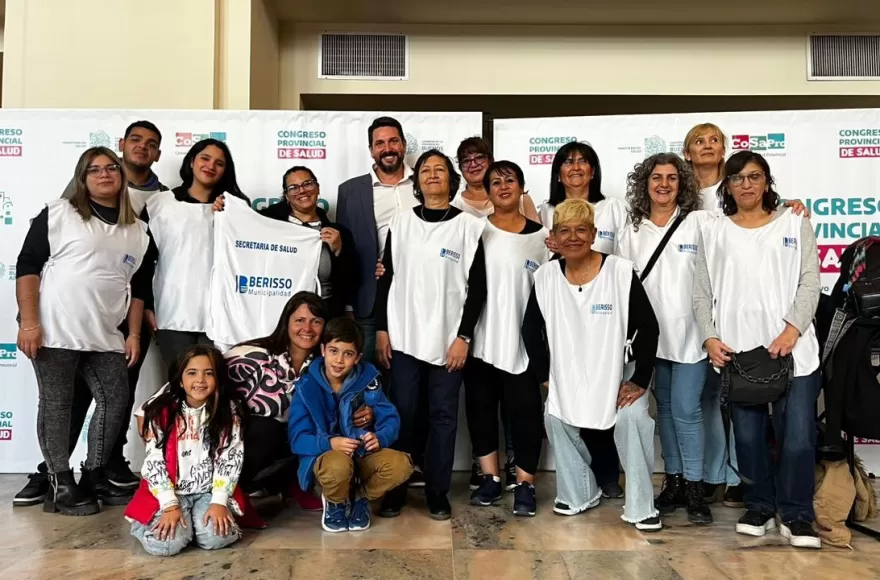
843,57
364,56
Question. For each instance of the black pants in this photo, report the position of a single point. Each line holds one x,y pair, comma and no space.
82,400
410,380
268,462
172,343
603,452
486,386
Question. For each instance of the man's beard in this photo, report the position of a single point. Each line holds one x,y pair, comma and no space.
395,165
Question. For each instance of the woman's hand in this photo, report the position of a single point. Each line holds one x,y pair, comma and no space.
167,524
363,417
380,270
550,242
797,207
30,340
628,394
223,522
383,349
219,204
132,349
456,356
718,352
150,318
332,238
784,343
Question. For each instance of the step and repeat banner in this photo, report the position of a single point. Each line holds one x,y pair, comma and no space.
38,152
829,159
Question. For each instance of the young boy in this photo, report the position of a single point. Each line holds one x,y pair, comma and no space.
322,433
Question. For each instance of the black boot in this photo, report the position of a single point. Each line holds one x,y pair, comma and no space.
97,482
66,497
671,494
697,509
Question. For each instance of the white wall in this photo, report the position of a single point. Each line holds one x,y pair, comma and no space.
572,60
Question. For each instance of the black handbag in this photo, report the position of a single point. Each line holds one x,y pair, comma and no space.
754,378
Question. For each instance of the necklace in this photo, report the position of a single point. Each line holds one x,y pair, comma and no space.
422,213
585,275
97,214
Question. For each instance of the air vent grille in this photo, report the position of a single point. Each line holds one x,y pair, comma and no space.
364,56
844,57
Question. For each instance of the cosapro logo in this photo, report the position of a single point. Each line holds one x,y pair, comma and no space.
5,426
298,144
11,142
859,143
8,355
601,309
190,139
263,285
771,142
542,149
5,209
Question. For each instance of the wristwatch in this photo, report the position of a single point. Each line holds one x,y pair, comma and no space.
466,339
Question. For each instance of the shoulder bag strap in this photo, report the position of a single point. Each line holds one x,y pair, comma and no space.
656,255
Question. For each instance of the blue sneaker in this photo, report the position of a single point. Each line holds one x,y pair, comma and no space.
359,519
334,519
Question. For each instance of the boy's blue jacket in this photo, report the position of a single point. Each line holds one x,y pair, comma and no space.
315,417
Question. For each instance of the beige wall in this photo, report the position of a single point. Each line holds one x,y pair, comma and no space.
740,60
264,60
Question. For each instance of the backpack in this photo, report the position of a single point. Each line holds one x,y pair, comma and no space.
851,353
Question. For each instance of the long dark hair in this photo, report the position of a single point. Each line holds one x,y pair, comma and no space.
769,200
454,177
228,182
557,190
164,410
279,341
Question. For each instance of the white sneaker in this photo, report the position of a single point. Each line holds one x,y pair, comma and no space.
800,534
755,523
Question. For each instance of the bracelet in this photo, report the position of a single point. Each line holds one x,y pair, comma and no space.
134,336
171,508
30,329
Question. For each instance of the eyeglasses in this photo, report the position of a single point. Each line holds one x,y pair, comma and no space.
572,161
476,160
95,171
754,178
307,185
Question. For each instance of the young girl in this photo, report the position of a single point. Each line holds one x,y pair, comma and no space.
190,472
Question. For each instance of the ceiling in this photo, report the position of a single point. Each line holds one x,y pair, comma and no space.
865,13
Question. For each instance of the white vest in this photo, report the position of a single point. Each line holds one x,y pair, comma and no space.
431,265
511,263
184,235
754,275
259,263
85,285
709,195
670,284
139,199
610,219
586,331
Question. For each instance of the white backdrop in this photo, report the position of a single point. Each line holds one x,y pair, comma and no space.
38,152
828,159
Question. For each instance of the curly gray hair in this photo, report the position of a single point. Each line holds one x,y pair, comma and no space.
637,196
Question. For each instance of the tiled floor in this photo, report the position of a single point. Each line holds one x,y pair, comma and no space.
481,543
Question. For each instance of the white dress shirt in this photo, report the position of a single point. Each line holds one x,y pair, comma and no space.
389,200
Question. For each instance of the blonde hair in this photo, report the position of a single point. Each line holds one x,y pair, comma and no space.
80,199
574,210
699,131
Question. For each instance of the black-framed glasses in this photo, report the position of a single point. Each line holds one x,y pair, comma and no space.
476,160
754,178
95,170
307,185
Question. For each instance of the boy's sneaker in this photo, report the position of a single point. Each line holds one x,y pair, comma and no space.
34,492
476,476
417,479
800,534
488,493
524,502
359,518
650,524
510,475
733,496
755,523
334,519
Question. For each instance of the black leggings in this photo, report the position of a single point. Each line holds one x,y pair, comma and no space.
485,387
268,461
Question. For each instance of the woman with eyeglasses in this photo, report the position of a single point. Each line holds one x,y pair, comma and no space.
756,285
577,174
474,157
80,276
300,207
182,247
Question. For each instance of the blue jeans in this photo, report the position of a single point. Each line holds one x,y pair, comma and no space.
788,486
194,507
715,468
679,391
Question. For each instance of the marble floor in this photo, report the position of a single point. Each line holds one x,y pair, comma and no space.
481,543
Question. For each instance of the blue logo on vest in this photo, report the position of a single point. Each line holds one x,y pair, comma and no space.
129,260
601,308
263,286
687,248
531,265
450,255
789,243
606,235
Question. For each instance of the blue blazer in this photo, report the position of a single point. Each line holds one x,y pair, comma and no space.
354,211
